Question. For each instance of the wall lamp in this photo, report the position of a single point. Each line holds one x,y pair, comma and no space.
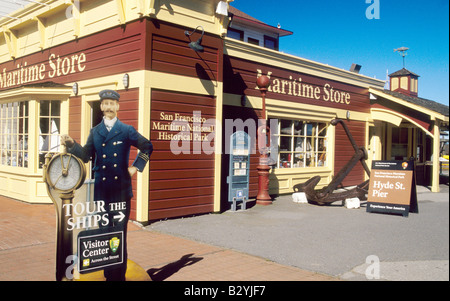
222,8
75,89
126,80
196,46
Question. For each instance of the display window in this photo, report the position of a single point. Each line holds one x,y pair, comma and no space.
14,134
302,144
49,128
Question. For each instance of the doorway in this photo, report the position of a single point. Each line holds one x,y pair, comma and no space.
375,150
96,118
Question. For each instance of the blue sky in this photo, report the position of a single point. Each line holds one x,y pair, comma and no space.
338,33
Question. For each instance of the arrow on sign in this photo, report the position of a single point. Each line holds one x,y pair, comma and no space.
120,216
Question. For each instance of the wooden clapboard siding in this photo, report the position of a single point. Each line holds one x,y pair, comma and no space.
242,76
344,151
170,52
75,118
180,184
113,51
128,114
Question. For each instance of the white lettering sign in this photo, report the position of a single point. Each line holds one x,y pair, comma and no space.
296,87
58,66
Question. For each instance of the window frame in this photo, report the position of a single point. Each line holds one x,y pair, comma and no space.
236,31
253,41
32,94
49,135
274,40
312,151
14,116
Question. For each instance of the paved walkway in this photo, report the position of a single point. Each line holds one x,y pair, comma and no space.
28,248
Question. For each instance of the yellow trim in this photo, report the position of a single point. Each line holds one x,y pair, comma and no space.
76,19
121,11
56,18
394,118
282,108
433,115
282,180
172,82
218,149
270,57
386,116
26,183
147,7
41,29
235,100
142,189
436,163
11,41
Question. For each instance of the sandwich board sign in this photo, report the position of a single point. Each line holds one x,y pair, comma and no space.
392,188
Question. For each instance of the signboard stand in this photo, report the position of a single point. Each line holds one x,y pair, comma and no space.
238,179
90,236
392,188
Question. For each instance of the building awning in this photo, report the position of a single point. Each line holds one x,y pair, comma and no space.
38,90
434,110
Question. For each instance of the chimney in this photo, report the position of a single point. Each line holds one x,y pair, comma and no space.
405,82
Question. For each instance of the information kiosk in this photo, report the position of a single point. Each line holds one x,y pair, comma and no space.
238,179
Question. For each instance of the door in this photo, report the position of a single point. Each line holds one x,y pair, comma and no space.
375,150
96,118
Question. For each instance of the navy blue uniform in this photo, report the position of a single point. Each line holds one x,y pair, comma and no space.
111,150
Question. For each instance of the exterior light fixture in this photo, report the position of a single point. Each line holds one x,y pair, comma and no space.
355,68
126,80
196,46
222,8
75,89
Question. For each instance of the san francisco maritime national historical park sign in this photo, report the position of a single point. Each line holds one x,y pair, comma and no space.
392,188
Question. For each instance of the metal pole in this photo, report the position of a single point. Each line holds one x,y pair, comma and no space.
263,197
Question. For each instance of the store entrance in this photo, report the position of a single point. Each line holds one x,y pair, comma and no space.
96,118
375,150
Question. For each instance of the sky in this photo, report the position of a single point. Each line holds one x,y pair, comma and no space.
340,33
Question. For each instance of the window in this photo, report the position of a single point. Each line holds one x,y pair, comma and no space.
270,43
404,83
399,149
394,83
419,146
235,34
253,41
14,134
302,144
49,128
414,85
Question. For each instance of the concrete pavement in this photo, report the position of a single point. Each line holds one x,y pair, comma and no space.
333,240
28,249
285,241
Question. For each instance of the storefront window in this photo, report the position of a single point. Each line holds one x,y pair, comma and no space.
49,128
14,134
399,144
302,144
419,146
